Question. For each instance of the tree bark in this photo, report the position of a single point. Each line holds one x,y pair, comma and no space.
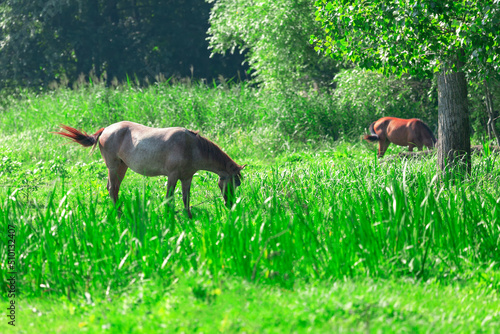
454,125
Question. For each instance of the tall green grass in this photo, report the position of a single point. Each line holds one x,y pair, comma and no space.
220,110
310,220
309,209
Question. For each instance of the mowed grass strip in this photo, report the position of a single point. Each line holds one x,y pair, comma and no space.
195,304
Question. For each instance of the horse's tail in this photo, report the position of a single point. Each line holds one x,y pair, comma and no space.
81,137
434,140
373,135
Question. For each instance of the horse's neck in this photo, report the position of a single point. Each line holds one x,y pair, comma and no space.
213,159
216,166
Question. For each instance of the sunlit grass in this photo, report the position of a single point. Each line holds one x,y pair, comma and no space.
318,216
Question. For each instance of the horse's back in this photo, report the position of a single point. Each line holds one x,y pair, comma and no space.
135,132
141,130
404,131
146,150
398,130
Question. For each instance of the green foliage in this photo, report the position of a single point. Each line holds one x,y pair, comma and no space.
274,35
415,37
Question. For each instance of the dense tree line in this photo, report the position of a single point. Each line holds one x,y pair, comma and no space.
42,40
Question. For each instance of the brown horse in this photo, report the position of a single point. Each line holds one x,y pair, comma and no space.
176,152
403,132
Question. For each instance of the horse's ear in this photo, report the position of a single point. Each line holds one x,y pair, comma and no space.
242,167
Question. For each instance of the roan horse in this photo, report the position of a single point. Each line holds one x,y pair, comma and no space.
175,152
403,132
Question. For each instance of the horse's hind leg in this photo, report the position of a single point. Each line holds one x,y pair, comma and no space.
116,173
186,188
383,144
171,183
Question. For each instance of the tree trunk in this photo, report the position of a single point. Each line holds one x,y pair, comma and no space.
454,126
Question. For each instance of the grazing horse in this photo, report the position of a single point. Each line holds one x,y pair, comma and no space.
175,152
403,132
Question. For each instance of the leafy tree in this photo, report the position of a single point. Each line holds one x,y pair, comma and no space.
459,40
274,35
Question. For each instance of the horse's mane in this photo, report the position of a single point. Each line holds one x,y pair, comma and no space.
211,150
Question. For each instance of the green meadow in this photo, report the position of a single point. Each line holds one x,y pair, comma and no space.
323,238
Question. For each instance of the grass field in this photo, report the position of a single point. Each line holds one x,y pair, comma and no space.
323,237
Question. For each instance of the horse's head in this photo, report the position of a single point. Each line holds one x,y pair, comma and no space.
228,185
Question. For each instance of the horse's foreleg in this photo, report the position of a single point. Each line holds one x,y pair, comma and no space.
429,144
413,144
186,187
